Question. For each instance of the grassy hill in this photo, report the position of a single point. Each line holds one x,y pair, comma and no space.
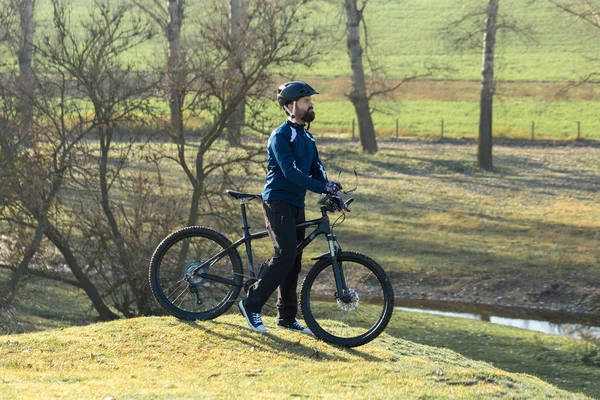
165,358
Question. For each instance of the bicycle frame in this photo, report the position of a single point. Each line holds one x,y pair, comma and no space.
322,228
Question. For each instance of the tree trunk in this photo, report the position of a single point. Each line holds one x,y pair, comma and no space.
175,66
55,237
198,186
131,275
237,23
358,92
484,152
8,292
25,57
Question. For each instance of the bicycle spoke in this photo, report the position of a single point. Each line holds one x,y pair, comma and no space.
177,298
178,284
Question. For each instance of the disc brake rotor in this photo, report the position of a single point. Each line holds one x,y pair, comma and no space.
349,302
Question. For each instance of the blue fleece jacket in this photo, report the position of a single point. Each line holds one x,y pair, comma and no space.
293,165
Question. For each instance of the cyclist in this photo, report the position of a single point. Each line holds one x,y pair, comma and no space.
293,168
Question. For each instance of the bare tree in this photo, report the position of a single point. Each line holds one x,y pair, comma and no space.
273,37
24,86
366,87
119,97
26,12
587,11
11,209
466,32
358,93
484,148
38,163
170,20
238,23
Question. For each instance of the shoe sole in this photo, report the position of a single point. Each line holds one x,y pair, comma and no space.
243,311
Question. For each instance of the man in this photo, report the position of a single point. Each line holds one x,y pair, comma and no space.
293,168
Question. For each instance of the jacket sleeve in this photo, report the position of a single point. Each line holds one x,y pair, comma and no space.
317,171
282,151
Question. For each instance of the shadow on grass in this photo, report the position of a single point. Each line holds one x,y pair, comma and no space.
557,361
513,172
276,344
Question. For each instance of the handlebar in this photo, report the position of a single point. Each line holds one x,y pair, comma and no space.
333,203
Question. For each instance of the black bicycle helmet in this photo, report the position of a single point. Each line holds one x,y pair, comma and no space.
292,91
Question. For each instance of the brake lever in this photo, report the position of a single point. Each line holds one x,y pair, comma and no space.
347,203
355,186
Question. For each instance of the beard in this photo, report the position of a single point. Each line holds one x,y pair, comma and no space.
309,115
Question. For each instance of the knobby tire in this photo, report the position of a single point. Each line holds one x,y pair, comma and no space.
176,253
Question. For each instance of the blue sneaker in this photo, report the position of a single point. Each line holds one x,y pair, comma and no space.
295,326
254,319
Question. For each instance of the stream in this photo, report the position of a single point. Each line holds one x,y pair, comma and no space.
552,322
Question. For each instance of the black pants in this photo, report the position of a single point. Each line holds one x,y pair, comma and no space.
283,268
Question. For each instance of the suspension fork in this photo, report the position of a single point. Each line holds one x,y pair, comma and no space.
338,272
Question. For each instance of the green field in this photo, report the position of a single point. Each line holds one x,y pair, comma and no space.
512,119
407,38
407,35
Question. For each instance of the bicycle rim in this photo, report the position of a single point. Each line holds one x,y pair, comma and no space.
197,297
357,318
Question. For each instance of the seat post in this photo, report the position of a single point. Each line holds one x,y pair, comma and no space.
247,238
244,218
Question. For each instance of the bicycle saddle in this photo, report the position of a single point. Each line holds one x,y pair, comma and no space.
241,196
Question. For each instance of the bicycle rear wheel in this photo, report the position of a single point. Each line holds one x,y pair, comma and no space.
195,297
354,319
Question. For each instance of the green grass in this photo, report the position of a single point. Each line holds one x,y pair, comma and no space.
406,36
165,358
567,363
431,210
443,229
512,118
45,304
424,210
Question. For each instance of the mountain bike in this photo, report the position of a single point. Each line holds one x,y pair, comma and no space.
346,297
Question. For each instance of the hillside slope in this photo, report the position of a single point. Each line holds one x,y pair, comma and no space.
165,358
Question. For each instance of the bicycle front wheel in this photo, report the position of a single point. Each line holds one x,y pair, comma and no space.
211,290
352,319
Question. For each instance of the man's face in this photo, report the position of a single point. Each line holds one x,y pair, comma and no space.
304,109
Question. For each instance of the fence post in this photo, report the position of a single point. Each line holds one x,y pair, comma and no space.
578,130
353,129
532,130
396,128
442,134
